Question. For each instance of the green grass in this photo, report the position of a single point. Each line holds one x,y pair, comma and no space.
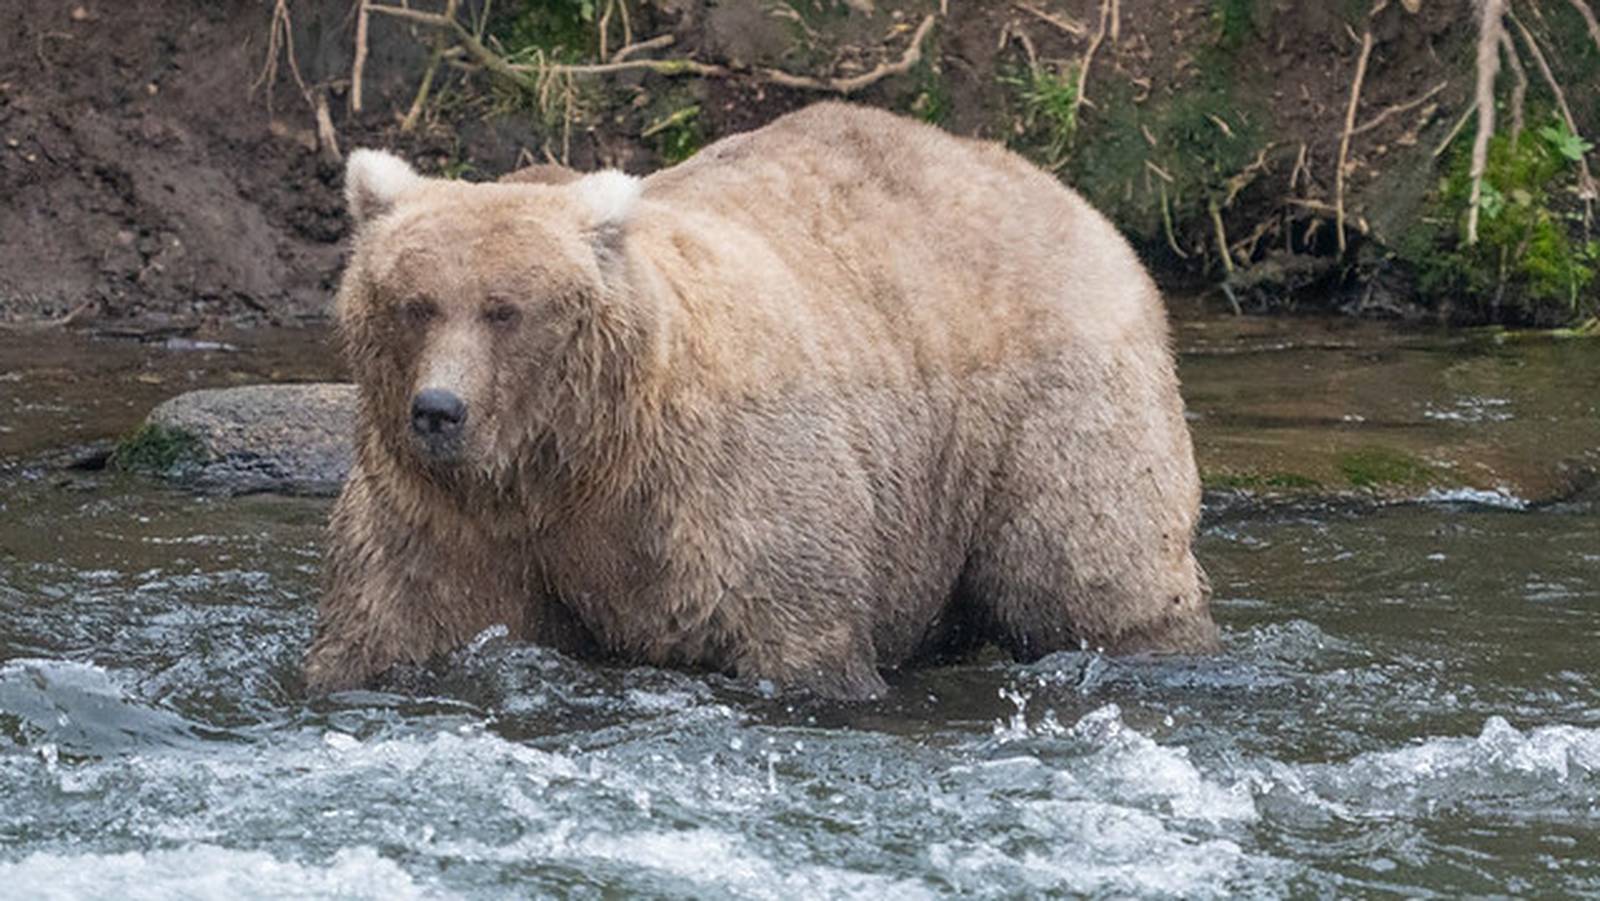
931,102
157,449
676,135
1378,467
1048,102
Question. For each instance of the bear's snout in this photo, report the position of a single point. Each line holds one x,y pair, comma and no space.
437,415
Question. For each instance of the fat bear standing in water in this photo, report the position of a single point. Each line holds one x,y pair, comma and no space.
827,399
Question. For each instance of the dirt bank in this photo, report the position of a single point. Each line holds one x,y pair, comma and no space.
153,179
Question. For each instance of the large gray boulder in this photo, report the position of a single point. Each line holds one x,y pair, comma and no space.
293,439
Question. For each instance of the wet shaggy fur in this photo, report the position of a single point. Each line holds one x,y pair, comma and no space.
829,398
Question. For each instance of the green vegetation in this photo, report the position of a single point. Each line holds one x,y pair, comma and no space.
154,448
1048,102
931,100
1237,20
1528,260
1183,148
677,135
562,29
1376,467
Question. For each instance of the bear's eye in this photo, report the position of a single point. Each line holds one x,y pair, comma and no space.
419,310
501,314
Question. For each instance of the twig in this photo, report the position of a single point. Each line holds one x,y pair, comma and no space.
420,101
327,138
1166,222
518,72
1299,167
1116,21
907,61
81,311
677,117
1315,206
1088,59
1586,187
1246,175
1160,173
655,43
1490,27
280,37
1222,237
1466,116
1246,248
1344,140
360,64
1076,29
1397,109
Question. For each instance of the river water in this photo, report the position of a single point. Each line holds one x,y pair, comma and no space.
1409,704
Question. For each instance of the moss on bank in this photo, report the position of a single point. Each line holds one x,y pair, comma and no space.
157,449
1375,467
1532,262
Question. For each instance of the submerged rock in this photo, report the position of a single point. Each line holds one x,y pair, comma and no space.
294,439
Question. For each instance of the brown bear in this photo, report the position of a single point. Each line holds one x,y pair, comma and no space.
829,398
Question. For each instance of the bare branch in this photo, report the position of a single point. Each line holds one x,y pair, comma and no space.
910,58
1088,58
1490,28
655,43
1397,109
1076,29
1349,126
360,64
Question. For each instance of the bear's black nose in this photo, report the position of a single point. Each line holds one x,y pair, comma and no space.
436,413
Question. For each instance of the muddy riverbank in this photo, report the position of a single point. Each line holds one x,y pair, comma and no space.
165,167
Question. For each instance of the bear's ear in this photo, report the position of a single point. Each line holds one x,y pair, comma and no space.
374,181
609,196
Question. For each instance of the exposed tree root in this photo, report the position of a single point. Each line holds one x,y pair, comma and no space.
656,43
1349,126
1222,236
280,41
1166,223
1397,109
1490,28
327,138
359,65
1455,131
1074,28
1088,58
539,75
846,86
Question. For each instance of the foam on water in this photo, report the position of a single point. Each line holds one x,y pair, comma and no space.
204,872
1378,724
1550,771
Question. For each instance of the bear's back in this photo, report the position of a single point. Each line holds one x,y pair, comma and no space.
896,246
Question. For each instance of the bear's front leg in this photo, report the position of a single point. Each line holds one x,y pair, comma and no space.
405,582
795,648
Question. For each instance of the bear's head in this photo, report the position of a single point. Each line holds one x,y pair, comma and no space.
480,319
